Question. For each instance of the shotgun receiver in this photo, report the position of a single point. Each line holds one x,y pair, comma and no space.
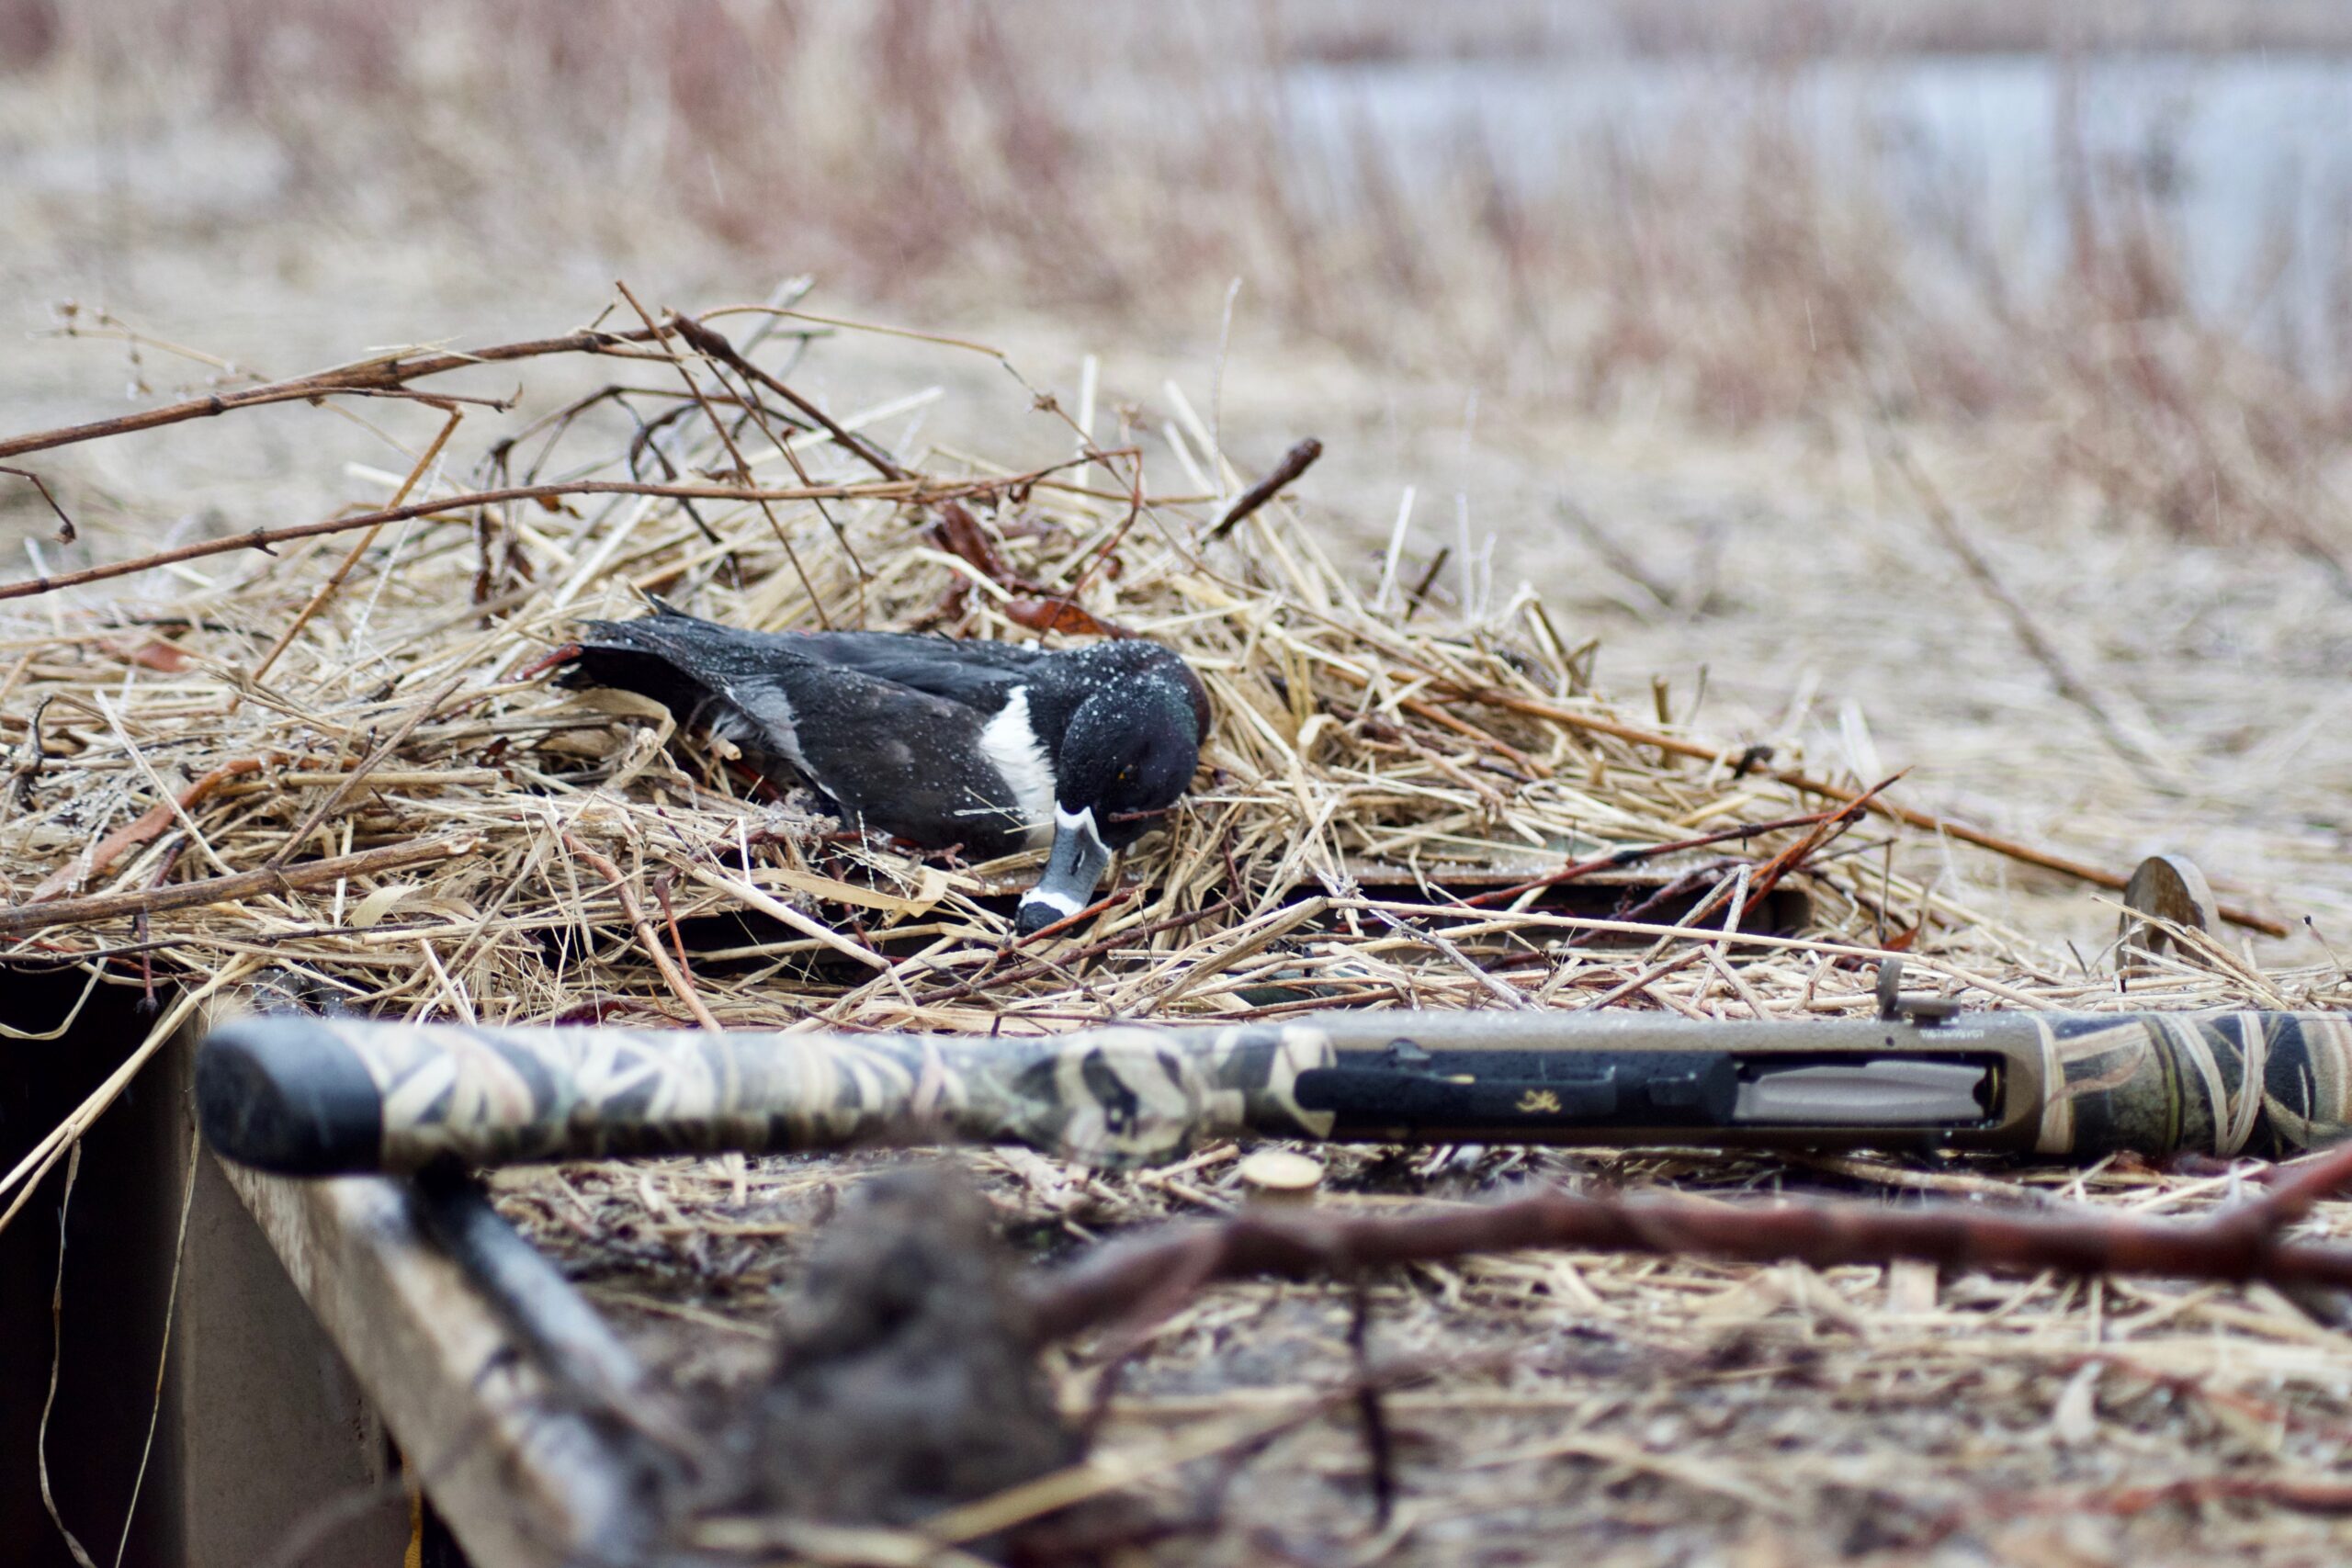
320,1096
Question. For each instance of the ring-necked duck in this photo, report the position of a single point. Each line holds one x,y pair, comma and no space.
935,740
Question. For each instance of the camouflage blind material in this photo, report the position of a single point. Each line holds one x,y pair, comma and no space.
2271,1084
316,1096
320,1096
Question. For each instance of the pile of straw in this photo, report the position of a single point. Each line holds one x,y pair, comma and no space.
352,746
342,762
336,758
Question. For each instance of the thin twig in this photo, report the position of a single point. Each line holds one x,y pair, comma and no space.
1296,461
1634,853
145,826
384,373
714,344
1768,875
66,532
917,490
647,936
1537,708
227,890
335,580
742,467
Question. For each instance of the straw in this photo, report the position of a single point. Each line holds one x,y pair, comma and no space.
398,808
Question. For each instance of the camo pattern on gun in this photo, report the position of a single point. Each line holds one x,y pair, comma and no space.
1111,1097
2271,1084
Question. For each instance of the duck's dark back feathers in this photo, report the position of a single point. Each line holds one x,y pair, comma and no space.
941,742
880,750
980,673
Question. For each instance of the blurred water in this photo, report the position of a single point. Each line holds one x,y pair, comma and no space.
2250,155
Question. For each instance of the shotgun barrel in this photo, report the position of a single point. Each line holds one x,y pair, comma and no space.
321,1096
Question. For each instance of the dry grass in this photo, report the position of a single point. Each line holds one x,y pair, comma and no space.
365,700
1612,1408
1623,1411
1367,752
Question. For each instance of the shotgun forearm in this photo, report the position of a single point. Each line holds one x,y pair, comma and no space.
320,1096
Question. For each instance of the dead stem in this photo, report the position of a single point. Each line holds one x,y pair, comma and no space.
384,373
741,469
710,341
416,473
2236,1244
649,940
96,907
1294,462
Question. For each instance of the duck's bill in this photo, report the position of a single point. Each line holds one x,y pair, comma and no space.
1073,867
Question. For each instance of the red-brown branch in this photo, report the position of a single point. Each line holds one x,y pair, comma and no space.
144,828
2238,1245
715,344
458,508
1553,712
1636,853
66,532
366,376
1294,462
681,983
1768,875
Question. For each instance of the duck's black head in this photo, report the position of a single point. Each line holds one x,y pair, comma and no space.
1128,752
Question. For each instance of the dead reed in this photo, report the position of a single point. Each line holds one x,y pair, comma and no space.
337,762
236,755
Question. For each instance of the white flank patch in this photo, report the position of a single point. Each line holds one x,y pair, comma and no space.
1010,742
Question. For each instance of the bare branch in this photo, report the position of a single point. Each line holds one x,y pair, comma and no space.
224,889
386,373
714,344
455,506
66,532
2238,1245
1296,461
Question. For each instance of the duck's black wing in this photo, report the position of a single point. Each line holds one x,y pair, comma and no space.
980,673
883,753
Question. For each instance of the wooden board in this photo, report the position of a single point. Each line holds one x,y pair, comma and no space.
522,1481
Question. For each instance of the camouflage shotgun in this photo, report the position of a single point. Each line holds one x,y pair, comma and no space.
319,1096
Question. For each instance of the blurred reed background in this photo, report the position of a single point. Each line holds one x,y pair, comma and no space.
1742,213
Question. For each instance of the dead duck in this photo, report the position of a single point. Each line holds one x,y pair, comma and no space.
939,742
